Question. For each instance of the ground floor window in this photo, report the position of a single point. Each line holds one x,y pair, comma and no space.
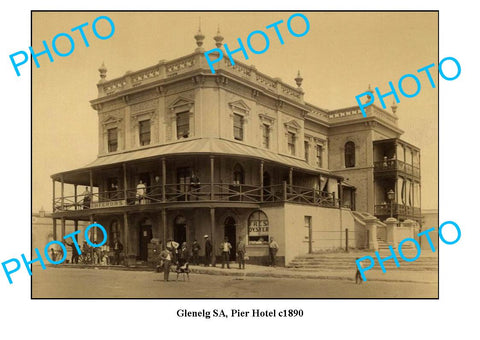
258,228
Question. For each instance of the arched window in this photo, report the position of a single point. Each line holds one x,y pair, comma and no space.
258,228
238,174
349,154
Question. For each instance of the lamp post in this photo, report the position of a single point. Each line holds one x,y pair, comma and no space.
391,197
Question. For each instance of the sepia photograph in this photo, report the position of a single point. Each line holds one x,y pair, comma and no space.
235,155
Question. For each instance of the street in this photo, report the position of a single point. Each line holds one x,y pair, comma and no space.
97,283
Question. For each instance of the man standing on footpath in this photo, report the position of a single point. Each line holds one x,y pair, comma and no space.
117,247
208,251
167,256
241,253
273,248
195,250
74,252
226,247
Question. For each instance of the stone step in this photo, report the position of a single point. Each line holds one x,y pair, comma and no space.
376,268
352,263
352,260
346,261
402,265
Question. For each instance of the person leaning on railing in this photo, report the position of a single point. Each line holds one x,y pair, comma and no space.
194,184
141,191
87,198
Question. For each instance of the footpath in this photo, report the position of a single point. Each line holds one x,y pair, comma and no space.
393,274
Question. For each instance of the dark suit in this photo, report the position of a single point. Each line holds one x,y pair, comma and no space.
117,247
208,252
74,253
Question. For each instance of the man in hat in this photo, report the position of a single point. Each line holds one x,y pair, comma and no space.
241,253
273,249
167,256
117,247
208,250
226,247
195,251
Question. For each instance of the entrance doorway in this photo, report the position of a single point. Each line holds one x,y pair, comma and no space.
231,233
180,229
144,237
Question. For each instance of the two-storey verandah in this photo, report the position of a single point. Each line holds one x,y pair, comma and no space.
191,188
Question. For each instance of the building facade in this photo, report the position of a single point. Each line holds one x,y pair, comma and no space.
184,153
43,233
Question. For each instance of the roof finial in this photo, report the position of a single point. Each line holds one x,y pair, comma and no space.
199,37
103,72
299,80
394,106
369,97
218,38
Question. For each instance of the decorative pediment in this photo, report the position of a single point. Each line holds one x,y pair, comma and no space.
111,120
181,104
239,106
144,115
266,119
293,126
320,141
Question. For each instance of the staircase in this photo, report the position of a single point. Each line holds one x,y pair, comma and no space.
346,261
406,247
383,245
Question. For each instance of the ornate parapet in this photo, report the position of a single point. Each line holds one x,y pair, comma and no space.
354,112
151,74
270,84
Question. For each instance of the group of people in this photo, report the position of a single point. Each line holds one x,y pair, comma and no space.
173,254
181,256
93,255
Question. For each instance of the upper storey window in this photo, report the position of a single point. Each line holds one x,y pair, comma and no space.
266,126
183,125
237,126
180,120
319,156
307,150
266,136
112,138
349,154
291,143
240,112
292,130
144,132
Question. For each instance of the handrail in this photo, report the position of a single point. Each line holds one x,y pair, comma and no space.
185,192
395,164
398,209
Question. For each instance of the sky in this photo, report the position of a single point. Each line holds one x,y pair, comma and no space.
338,58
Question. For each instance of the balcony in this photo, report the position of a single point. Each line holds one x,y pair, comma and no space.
399,210
207,192
396,165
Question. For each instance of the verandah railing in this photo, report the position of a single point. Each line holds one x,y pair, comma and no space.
181,192
395,164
